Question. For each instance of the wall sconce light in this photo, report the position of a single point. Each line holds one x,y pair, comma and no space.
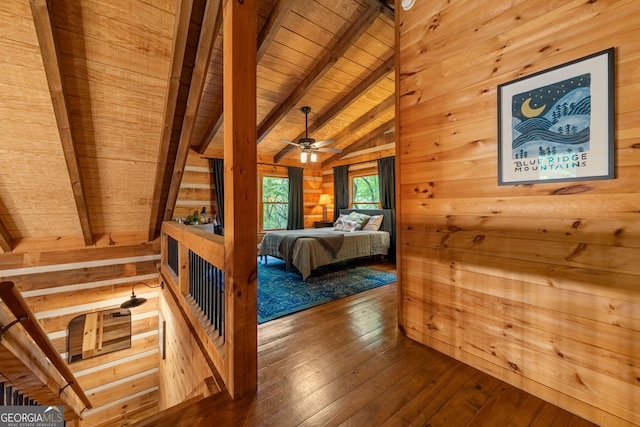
135,301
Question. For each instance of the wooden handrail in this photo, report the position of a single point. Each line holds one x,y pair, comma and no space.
18,306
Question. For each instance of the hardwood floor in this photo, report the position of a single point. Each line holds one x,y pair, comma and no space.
345,363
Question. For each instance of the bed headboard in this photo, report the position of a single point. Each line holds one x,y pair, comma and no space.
388,224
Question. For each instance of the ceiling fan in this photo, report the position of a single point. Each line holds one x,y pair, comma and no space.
309,146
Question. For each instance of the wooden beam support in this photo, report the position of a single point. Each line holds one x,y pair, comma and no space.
6,243
371,80
362,142
53,70
240,195
211,130
354,31
180,32
211,23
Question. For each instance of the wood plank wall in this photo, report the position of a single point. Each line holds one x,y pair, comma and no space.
183,371
534,284
61,284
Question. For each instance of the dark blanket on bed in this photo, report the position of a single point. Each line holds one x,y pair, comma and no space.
332,243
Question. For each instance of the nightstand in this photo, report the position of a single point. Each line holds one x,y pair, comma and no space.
322,224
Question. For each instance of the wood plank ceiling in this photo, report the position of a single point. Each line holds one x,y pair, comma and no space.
103,101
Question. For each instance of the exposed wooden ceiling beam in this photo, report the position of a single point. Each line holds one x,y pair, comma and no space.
367,117
265,38
180,32
355,30
271,27
371,80
6,243
211,23
211,130
387,8
362,142
52,67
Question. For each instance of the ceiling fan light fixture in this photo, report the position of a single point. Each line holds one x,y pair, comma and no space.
309,146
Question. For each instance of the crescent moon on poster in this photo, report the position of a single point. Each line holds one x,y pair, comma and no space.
529,112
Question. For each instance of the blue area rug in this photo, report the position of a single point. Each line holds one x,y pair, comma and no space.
282,292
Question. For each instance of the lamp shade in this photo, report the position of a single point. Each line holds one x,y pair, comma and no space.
136,301
324,199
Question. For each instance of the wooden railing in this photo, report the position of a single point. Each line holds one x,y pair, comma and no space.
11,396
192,268
206,287
25,317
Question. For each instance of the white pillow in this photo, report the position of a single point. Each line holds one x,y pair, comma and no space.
339,224
350,225
374,223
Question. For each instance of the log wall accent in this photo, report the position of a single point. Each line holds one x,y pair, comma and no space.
59,285
197,189
533,284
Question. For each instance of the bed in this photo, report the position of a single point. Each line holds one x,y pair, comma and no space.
311,248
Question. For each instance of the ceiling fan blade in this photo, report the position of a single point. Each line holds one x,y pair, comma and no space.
328,150
319,144
289,142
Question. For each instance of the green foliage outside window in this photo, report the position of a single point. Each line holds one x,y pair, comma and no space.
275,202
366,192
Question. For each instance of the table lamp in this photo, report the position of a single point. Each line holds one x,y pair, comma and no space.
324,201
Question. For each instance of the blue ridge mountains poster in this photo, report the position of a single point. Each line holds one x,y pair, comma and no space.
556,124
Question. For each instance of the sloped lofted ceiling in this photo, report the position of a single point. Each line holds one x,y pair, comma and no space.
102,101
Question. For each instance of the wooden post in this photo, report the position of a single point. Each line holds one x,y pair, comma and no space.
240,195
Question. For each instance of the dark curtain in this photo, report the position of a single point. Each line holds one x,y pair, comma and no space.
340,189
218,182
387,182
295,219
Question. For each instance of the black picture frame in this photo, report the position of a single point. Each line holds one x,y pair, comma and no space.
558,124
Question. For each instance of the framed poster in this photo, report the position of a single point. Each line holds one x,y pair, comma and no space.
557,125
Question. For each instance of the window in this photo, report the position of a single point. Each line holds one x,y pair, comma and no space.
275,202
365,192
